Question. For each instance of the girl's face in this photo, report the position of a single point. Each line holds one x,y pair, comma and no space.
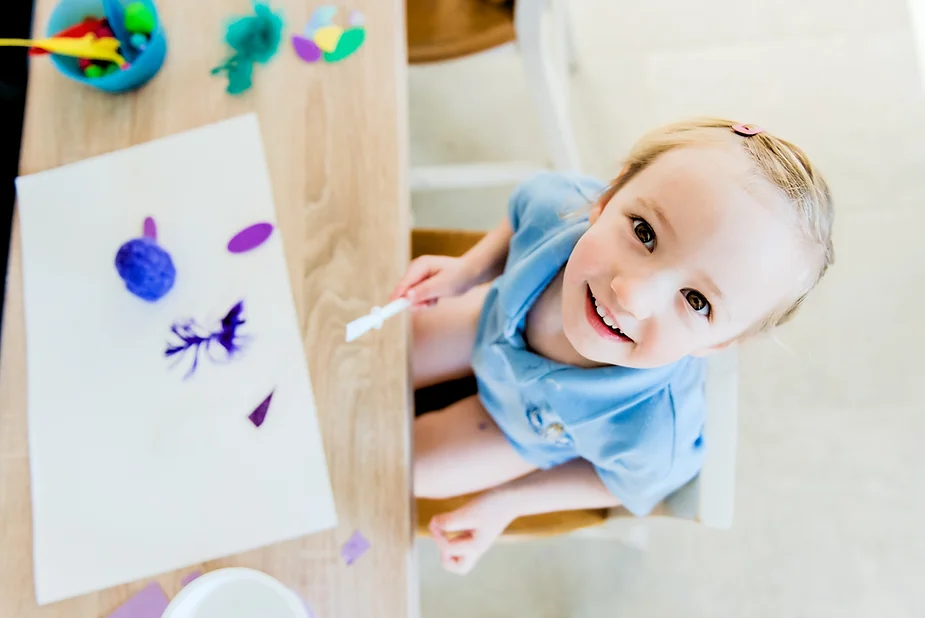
687,256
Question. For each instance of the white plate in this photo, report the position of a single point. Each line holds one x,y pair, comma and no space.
236,593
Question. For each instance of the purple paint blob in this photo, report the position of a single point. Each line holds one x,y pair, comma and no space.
150,229
250,237
306,49
257,416
483,426
190,577
354,548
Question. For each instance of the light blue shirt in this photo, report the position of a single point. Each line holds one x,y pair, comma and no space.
641,428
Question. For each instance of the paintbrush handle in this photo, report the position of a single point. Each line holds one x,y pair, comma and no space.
375,318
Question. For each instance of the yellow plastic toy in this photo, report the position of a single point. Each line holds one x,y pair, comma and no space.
86,47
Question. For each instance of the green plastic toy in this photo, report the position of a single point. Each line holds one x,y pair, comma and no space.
139,18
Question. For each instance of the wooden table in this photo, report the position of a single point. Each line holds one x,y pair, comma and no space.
335,138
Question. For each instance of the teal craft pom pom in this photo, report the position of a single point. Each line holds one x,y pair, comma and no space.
254,38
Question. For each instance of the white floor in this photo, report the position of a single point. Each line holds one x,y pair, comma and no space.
830,514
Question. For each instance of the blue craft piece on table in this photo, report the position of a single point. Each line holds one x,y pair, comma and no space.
146,268
321,17
254,39
142,65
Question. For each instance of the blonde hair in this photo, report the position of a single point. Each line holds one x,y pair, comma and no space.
778,161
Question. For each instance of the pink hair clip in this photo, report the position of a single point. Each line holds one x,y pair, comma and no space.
747,130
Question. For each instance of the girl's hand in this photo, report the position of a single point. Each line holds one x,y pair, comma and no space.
463,535
431,277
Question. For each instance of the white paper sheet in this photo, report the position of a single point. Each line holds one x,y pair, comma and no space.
136,471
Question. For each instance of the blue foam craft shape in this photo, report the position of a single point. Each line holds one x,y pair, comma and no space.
147,269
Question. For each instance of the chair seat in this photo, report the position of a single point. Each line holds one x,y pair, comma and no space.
445,29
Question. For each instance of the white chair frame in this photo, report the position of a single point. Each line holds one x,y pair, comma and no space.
547,49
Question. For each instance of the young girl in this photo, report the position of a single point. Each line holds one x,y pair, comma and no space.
587,344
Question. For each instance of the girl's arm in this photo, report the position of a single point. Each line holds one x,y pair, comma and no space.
485,261
571,486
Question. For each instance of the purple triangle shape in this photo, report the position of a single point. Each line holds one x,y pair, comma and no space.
257,416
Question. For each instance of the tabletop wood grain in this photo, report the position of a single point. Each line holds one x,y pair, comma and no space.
335,137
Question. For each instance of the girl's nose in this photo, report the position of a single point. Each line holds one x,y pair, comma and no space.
645,295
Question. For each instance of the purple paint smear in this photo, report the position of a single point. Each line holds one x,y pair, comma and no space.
149,602
250,237
354,548
257,416
194,337
190,577
150,228
306,49
483,426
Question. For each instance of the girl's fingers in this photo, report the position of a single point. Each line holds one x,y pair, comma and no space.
442,537
419,270
461,560
421,306
453,522
442,543
428,289
458,565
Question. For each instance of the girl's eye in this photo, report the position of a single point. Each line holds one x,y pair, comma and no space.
697,302
644,233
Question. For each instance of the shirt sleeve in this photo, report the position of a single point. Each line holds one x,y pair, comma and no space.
545,199
525,195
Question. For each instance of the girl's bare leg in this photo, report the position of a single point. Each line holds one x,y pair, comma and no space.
442,338
460,450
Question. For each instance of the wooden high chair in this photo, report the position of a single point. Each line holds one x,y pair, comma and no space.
707,499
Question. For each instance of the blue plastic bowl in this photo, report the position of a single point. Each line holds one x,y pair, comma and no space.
142,66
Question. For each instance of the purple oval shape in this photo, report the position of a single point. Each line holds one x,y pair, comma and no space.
250,237
149,230
306,49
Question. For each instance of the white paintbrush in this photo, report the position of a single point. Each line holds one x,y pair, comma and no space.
375,318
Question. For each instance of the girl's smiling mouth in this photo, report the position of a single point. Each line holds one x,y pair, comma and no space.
601,321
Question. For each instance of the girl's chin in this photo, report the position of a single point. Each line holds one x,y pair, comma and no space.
588,346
